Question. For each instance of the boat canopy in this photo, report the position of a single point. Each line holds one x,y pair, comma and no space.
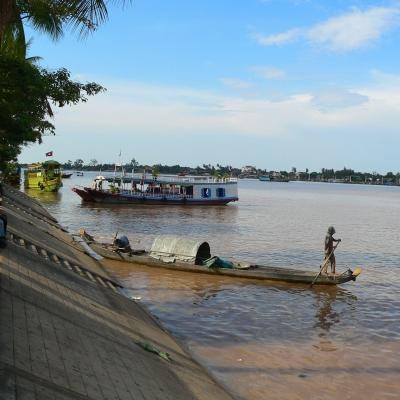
169,248
51,164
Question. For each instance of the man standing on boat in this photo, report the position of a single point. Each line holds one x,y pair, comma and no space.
329,251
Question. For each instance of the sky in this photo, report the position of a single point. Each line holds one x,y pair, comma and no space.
271,83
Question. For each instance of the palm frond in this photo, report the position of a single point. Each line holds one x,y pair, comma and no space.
45,16
87,15
32,59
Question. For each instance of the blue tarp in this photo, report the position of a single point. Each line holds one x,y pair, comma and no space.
216,262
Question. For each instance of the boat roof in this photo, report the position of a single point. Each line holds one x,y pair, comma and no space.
187,180
45,164
181,248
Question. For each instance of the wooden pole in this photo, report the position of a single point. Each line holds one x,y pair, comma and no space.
324,263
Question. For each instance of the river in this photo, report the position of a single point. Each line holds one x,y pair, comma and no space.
272,341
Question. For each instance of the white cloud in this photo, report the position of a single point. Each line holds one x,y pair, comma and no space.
268,72
353,30
334,98
131,107
236,83
279,38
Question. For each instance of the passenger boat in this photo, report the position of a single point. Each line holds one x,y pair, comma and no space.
161,190
182,254
45,176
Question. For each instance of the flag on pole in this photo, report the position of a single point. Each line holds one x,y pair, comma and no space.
49,154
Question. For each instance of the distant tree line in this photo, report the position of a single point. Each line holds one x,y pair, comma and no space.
345,175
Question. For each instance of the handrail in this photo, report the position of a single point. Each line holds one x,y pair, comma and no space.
141,194
171,179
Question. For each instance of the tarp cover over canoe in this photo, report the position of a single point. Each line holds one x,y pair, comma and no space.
169,248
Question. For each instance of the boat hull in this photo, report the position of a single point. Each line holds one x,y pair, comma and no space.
45,185
257,272
98,196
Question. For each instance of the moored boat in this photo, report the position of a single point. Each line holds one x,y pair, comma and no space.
45,176
161,190
182,254
66,175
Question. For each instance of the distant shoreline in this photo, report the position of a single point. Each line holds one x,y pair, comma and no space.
345,175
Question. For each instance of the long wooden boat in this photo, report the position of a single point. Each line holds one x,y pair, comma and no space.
192,262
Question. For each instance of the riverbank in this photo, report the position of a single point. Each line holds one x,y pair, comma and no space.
67,332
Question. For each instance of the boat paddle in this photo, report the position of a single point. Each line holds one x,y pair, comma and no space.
322,267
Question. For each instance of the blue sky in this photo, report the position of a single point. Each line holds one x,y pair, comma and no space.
274,83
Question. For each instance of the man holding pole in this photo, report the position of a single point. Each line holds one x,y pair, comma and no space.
329,249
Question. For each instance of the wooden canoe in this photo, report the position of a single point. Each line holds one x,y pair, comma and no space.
241,270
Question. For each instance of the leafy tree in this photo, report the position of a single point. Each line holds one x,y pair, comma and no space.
26,92
155,171
93,162
48,16
78,164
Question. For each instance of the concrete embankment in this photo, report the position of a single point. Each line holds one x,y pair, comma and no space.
66,332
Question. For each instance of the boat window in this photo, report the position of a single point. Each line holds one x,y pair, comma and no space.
220,192
206,192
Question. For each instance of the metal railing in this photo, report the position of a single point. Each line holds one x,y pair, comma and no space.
171,179
158,195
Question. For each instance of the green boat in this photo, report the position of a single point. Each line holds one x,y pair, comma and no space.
46,176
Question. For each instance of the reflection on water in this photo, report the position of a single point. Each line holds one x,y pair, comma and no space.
326,314
274,341
47,198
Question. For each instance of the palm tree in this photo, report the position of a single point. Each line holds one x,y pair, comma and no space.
47,16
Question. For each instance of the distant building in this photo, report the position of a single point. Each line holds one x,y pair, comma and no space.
249,169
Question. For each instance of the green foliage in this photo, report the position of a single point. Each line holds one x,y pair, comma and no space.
155,171
51,17
26,92
78,164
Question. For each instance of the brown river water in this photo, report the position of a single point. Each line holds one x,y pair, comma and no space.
272,341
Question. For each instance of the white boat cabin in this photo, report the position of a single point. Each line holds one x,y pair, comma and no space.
190,187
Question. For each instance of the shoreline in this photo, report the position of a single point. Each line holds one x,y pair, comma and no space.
70,332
